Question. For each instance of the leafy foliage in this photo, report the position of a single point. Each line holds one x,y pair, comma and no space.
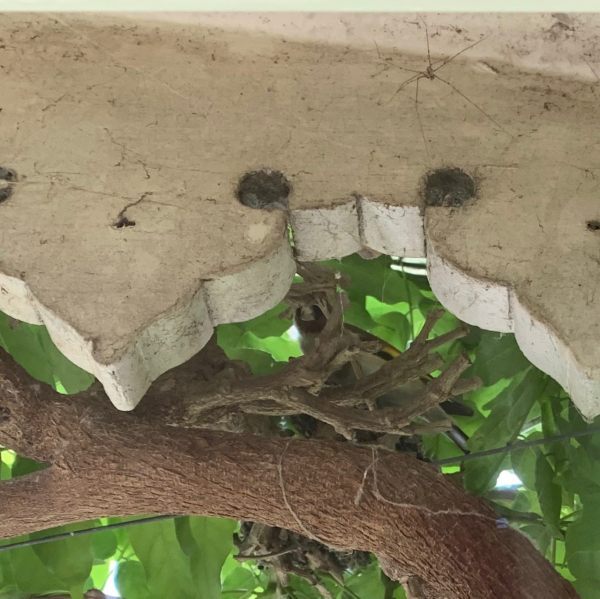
263,343
508,413
31,346
557,502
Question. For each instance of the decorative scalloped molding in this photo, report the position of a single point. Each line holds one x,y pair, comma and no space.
174,337
345,138
319,234
493,305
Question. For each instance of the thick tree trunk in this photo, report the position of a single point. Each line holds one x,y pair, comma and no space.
103,462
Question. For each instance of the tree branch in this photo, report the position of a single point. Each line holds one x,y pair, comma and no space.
109,463
302,386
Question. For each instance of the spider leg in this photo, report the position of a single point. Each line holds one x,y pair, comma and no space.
388,66
404,84
385,66
420,120
445,61
377,48
490,118
406,69
383,70
592,69
427,38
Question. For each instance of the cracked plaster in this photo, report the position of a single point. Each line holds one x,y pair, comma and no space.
153,119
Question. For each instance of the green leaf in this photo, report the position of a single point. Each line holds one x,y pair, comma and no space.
5,468
582,543
263,355
497,357
551,425
239,584
99,575
31,346
549,493
269,324
583,547
302,589
583,475
379,310
372,277
524,464
229,339
508,413
448,322
280,348
76,591
391,324
560,557
208,542
540,535
185,536
481,474
166,566
131,580
22,466
482,398
367,582
30,575
229,336
399,593
439,447
260,362
261,342
70,560
356,314
6,575
588,588
104,544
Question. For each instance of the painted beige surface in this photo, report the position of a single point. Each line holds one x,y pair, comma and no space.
158,116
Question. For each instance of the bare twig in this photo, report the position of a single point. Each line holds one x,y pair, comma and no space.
264,556
303,386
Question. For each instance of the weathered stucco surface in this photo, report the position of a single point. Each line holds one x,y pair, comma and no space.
152,120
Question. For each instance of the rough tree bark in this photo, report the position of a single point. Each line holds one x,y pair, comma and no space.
102,462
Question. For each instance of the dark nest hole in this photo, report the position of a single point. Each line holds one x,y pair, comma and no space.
10,176
7,174
264,189
448,187
593,225
5,193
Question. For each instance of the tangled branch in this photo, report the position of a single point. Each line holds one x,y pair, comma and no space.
304,386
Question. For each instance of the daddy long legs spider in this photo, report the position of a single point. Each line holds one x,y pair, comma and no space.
431,73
